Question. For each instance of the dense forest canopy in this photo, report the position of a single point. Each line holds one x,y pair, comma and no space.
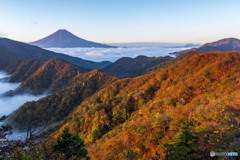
185,109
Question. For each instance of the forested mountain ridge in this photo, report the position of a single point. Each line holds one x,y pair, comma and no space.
20,70
149,115
52,75
132,67
170,62
37,76
58,105
11,51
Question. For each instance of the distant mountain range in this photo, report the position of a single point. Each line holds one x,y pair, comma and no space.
227,44
12,50
65,39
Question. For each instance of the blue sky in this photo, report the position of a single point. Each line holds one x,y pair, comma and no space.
110,21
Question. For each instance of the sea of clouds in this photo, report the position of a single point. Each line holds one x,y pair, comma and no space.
112,54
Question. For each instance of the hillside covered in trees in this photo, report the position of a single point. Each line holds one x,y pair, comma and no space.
183,111
37,76
196,97
59,104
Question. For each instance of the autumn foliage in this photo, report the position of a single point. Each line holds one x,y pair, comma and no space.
183,111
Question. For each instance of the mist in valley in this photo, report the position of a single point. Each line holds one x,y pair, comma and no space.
9,104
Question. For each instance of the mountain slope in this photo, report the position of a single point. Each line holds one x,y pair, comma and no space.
58,105
197,96
20,70
132,67
227,41
12,50
227,44
52,75
64,39
38,76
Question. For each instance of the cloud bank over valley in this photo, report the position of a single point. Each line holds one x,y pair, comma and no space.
112,54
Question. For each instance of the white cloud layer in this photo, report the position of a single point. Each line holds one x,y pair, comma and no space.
112,54
9,104
5,86
2,34
3,74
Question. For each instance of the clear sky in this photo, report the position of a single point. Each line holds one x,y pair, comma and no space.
110,21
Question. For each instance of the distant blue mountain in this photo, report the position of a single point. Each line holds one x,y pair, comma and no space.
226,44
65,39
